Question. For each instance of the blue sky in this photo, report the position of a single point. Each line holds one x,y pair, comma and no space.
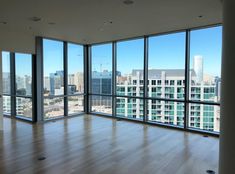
53,57
165,51
23,64
101,57
5,61
208,44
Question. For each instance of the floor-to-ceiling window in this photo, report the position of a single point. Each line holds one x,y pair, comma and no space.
63,78
17,85
6,83
172,79
23,85
205,78
129,79
75,79
101,79
53,85
166,78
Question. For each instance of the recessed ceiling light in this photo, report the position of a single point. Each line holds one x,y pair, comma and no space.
35,19
108,23
128,2
3,22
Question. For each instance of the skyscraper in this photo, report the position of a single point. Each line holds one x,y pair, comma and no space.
169,84
198,68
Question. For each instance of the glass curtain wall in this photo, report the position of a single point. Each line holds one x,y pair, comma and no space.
130,79
205,78
101,79
166,77
17,85
153,74
6,83
75,79
150,79
23,85
63,83
53,69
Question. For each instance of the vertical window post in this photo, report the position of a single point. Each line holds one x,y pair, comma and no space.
114,69
39,79
13,84
187,73
65,57
145,118
86,78
34,89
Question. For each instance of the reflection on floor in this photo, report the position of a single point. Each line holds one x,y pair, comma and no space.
91,144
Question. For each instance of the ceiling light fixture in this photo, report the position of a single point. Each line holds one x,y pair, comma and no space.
3,22
35,19
128,2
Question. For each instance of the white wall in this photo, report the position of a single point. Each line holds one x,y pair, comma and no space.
17,42
1,113
227,119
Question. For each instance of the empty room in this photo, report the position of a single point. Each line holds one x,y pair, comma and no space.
117,87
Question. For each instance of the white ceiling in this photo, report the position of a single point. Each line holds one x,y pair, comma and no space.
88,21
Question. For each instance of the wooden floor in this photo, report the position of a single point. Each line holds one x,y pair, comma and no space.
92,145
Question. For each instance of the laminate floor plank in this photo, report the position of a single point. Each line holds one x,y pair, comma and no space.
91,144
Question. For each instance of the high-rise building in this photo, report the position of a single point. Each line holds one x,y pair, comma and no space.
7,104
101,82
46,84
169,84
78,81
56,82
5,82
198,68
71,78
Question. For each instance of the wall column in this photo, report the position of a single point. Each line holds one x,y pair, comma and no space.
227,134
1,98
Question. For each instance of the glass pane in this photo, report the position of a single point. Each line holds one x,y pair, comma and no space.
205,58
101,69
24,107
7,105
53,107
166,66
75,104
53,67
6,79
206,117
130,108
75,69
23,69
166,112
101,104
130,63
